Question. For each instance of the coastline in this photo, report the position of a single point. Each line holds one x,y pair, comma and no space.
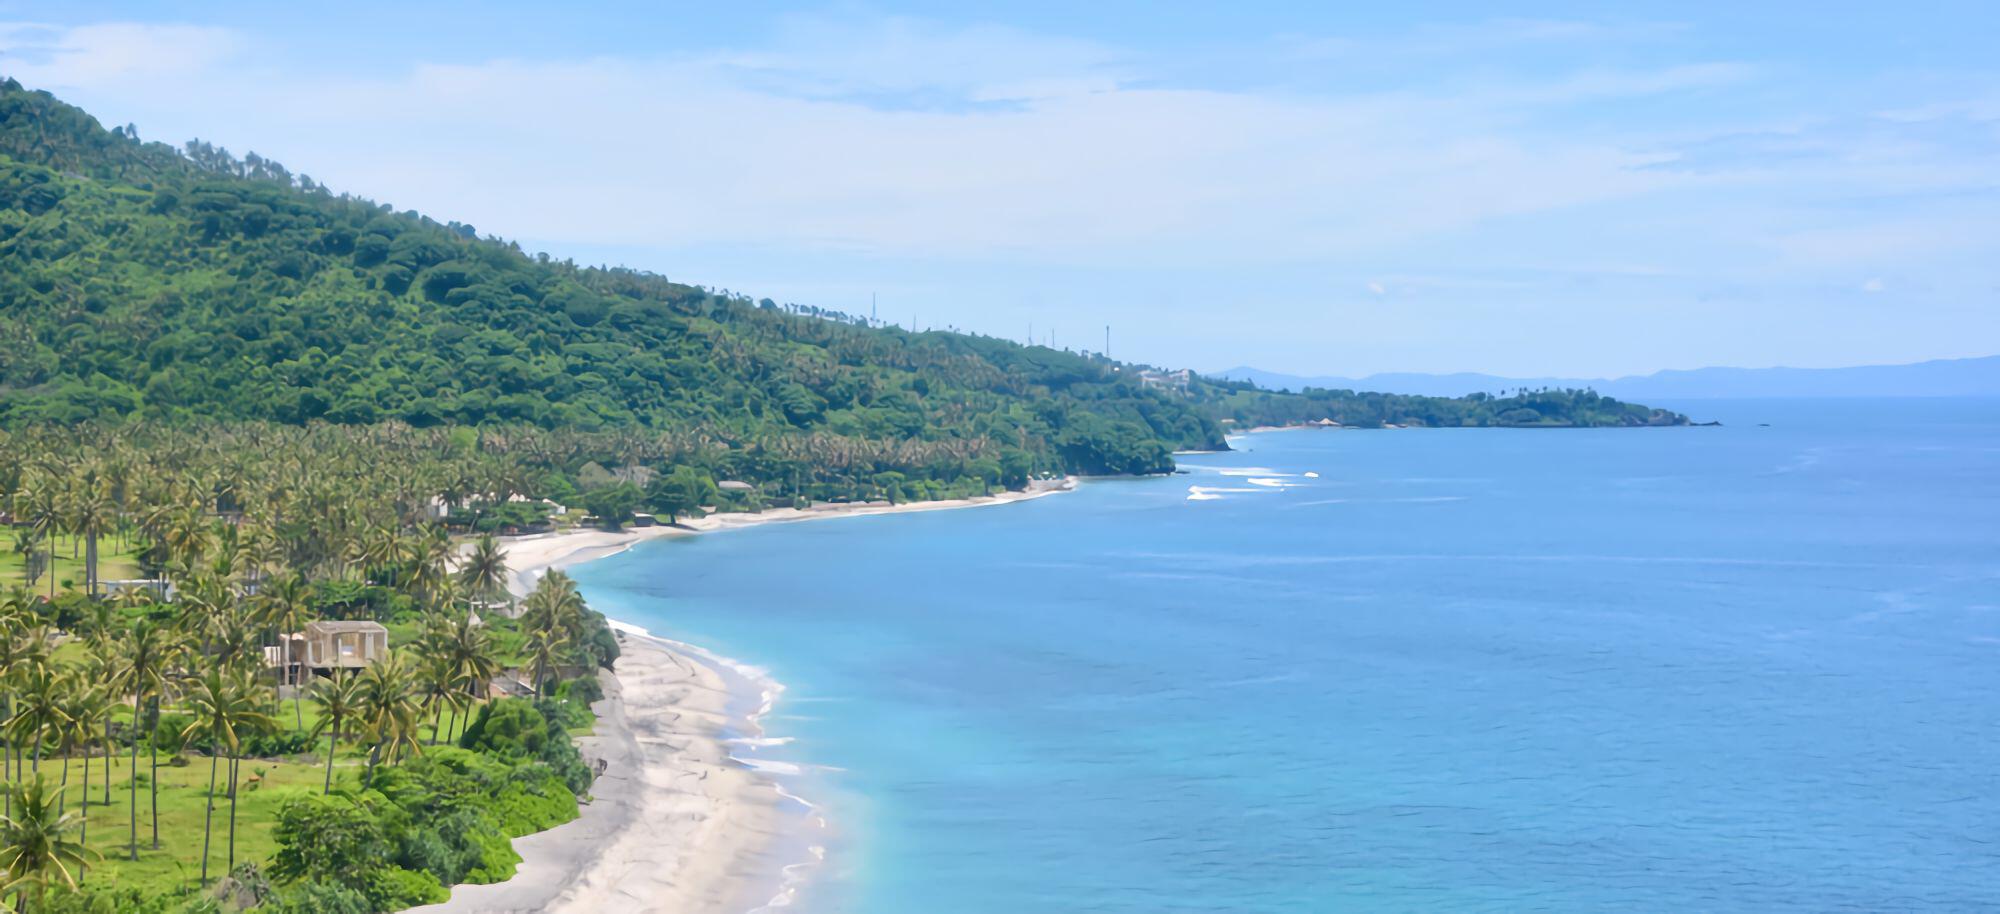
675,822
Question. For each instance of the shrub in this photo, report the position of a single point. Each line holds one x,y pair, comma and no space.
285,742
327,838
584,689
394,888
167,732
509,727
319,898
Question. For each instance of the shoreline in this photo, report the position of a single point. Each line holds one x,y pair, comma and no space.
675,821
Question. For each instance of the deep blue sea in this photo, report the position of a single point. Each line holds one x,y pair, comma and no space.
1748,668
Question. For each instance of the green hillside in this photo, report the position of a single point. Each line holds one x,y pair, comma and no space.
138,280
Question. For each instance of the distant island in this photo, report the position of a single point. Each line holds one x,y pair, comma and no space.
1978,377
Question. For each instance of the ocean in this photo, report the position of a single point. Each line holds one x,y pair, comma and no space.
1745,668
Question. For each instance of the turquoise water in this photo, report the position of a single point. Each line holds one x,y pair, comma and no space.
1726,669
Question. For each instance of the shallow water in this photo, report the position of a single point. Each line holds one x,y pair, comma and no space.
1732,669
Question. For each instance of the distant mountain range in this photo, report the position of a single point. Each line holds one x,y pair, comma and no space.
1978,377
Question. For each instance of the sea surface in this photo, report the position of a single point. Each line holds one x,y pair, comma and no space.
1747,668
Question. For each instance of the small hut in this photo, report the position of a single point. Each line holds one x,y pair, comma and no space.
344,645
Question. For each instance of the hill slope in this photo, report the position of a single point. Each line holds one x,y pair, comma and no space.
136,279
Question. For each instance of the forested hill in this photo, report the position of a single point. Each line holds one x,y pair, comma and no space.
137,279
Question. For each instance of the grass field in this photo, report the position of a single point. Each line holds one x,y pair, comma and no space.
183,803
116,560
264,785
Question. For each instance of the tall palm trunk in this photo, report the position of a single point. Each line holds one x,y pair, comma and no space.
83,805
90,563
138,710
153,752
332,747
208,819
107,759
7,766
234,763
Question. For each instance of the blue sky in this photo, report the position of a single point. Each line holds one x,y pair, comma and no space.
1321,188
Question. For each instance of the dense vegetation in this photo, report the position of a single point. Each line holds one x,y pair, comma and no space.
227,783
1247,406
141,280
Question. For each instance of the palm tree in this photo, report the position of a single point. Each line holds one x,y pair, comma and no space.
544,644
288,607
484,570
553,612
389,711
35,847
41,690
12,649
88,707
226,709
337,698
45,517
233,640
470,648
92,514
142,674
438,679
430,552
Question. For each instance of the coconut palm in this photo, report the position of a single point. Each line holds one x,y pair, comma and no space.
338,699
141,672
287,606
91,514
545,646
437,680
41,689
484,570
430,555
552,612
35,847
44,514
470,647
88,707
234,642
226,709
389,711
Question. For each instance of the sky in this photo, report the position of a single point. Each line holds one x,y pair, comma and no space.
1577,189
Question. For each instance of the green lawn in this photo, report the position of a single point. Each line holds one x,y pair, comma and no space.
116,560
183,801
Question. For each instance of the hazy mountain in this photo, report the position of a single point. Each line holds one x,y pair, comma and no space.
1938,378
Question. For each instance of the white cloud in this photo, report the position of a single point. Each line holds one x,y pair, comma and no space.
110,54
920,144
1874,285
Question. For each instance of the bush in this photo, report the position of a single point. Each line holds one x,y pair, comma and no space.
394,888
319,898
328,839
560,753
286,742
583,689
508,727
167,732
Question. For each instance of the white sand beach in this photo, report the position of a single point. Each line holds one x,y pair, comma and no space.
674,824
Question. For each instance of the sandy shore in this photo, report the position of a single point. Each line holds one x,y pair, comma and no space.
673,823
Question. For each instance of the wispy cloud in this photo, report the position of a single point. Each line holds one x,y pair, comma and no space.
97,56
1503,168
